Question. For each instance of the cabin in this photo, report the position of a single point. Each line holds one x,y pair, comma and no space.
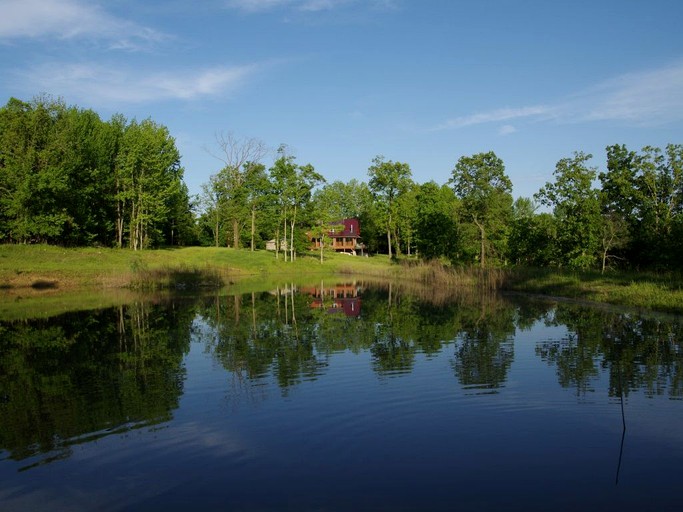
343,237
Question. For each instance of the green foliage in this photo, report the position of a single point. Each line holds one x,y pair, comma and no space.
388,182
644,193
79,377
485,192
291,190
576,206
436,229
69,178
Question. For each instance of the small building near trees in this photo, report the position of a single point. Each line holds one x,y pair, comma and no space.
344,236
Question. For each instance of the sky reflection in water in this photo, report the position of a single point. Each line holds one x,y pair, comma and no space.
294,400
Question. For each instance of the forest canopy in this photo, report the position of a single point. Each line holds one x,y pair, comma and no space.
69,178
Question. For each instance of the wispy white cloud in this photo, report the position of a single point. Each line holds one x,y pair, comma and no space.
257,5
506,129
647,98
70,19
97,84
254,6
498,115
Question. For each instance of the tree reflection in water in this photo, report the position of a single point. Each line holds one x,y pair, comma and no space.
80,376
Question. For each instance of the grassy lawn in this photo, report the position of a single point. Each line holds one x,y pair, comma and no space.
101,275
643,290
45,267
41,280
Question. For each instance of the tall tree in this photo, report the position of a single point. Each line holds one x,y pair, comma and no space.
305,180
69,178
644,191
238,156
325,212
436,231
292,188
211,201
282,174
388,180
532,235
151,177
576,206
485,192
257,187
407,204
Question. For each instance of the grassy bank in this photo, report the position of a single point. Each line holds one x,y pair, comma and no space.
43,271
641,290
42,268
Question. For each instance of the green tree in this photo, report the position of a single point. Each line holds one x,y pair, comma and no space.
69,178
55,174
292,186
229,190
33,182
484,189
407,204
532,235
325,212
211,201
436,230
257,186
644,192
388,180
150,178
576,206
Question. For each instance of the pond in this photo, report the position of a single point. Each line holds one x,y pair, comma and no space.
338,397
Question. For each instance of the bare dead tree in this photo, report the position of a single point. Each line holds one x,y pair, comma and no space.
237,151
236,154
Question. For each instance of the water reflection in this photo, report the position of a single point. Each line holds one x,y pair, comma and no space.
641,353
78,377
336,298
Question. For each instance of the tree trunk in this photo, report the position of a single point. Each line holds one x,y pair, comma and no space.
253,227
397,241
482,240
119,217
284,226
291,241
235,233
133,227
389,241
292,255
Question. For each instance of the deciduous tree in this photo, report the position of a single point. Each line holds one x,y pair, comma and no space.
576,206
484,189
388,180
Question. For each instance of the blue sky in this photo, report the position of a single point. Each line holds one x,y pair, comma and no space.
340,81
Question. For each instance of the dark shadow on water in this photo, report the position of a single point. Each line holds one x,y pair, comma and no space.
44,285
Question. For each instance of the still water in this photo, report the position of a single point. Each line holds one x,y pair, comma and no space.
342,397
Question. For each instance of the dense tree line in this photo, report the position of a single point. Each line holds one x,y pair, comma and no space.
630,215
67,177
